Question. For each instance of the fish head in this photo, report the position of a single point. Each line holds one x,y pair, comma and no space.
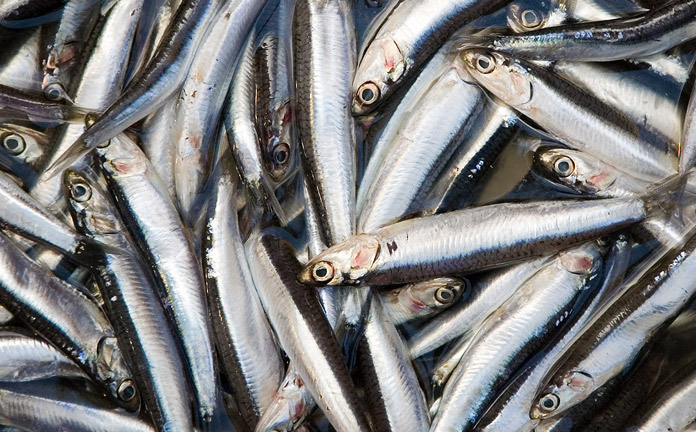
114,372
566,391
584,259
581,172
281,151
382,66
501,75
288,409
91,210
121,157
526,15
342,264
23,143
435,294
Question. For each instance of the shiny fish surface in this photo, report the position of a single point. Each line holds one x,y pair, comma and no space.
421,300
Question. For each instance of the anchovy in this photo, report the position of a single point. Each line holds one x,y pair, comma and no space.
25,216
156,141
585,173
395,400
67,318
96,90
323,70
650,32
16,104
250,359
405,39
511,409
32,412
26,358
531,316
21,10
21,67
202,97
588,122
622,330
151,87
240,124
421,300
463,318
433,246
22,148
293,311
133,307
274,113
421,151
164,243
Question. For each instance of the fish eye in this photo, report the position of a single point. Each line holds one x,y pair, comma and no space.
444,295
126,391
564,166
531,18
549,402
80,192
322,271
14,143
368,93
54,92
281,154
485,64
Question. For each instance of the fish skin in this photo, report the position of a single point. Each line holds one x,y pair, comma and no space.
293,311
133,307
513,334
165,244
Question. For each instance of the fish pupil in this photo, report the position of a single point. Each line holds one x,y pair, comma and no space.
322,272
13,144
483,63
563,166
367,95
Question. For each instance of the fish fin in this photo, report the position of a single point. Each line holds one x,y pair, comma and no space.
271,200
660,199
77,150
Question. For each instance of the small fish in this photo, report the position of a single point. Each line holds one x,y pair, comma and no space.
423,299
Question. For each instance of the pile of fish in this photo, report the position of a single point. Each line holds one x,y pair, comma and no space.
350,215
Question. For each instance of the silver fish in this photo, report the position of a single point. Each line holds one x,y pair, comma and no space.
133,307
294,311
251,362
31,412
514,332
421,300
411,250
619,333
28,358
202,97
164,242
587,124
405,39
67,318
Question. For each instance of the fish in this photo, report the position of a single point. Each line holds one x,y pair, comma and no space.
293,311
623,329
513,334
250,359
132,305
422,300
164,243
403,40
544,98
66,317
397,253
27,358
650,32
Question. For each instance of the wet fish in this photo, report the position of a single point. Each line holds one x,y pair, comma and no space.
588,122
421,300
515,332
165,245
410,251
404,40
133,307
293,311
622,330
